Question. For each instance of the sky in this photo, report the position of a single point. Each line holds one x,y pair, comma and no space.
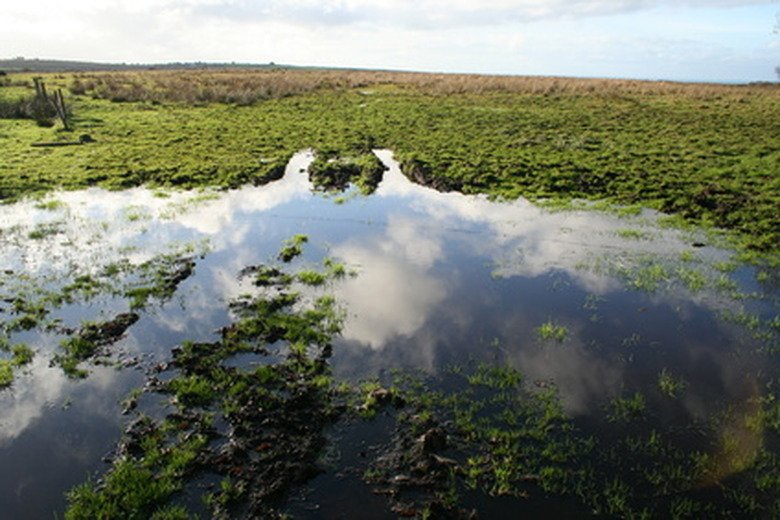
684,40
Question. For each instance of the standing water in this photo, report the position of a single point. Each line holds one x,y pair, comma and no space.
649,350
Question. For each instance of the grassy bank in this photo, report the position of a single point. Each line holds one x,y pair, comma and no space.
708,153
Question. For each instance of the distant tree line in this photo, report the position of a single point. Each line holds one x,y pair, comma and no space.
20,64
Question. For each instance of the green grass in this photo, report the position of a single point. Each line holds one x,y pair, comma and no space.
623,409
511,440
331,171
670,385
138,488
158,279
551,331
332,270
278,409
42,231
646,277
632,234
292,248
21,355
313,278
508,435
6,373
694,280
192,390
502,377
51,205
625,148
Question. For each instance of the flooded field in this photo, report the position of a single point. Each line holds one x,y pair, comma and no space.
476,356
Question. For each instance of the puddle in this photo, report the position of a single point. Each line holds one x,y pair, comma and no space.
600,305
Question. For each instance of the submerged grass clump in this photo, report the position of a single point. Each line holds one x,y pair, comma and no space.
256,430
293,247
632,234
51,205
670,385
32,302
481,430
278,411
313,278
647,277
42,231
330,172
6,373
693,279
551,331
765,330
89,342
141,487
159,278
331,270
623,409
493,435
21,355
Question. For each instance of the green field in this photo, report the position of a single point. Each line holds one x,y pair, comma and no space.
708,153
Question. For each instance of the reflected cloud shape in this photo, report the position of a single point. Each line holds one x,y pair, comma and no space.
29,397
213,217
423,298
526,240
584,381
410,244
406,239
40,388
94,227
394,293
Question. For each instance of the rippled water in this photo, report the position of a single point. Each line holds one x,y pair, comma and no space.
440,278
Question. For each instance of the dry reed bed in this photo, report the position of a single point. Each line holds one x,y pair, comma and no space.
247,86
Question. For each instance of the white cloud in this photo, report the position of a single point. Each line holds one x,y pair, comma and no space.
151,15
438,13
403,289
548,37
394,293
523,239
40,388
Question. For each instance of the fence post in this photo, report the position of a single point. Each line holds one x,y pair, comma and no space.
40,89
59,104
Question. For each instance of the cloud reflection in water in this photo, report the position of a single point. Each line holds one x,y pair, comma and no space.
424,291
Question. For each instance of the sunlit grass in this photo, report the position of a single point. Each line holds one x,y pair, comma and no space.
542,138
550,330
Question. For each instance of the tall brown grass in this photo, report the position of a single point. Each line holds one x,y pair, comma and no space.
247,86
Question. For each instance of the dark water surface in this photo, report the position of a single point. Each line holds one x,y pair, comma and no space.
440,279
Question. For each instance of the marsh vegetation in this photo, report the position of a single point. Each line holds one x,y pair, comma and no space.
264,332
708,153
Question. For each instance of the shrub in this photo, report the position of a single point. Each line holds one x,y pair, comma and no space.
41,111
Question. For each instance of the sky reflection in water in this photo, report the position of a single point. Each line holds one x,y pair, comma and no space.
441,278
